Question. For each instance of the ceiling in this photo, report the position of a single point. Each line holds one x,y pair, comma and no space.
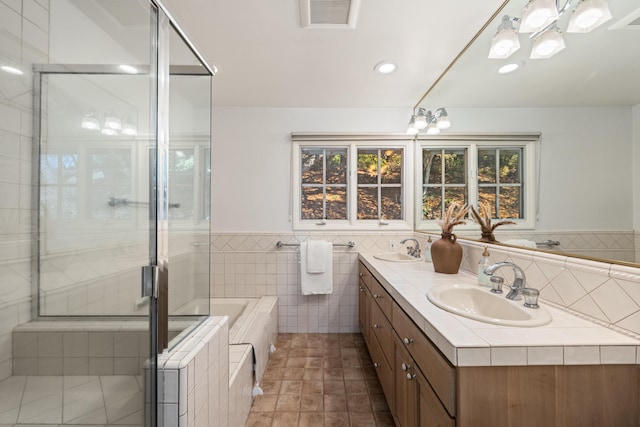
599,68
266,59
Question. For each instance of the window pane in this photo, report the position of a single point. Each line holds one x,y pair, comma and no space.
488,195
510,202
432,203
337,166
311,206
432,166
510,166
391,167
311,167
455,167
367,166
368,203
456,194
487,166
336,203
391,205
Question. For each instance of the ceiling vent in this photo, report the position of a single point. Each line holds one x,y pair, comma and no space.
329,13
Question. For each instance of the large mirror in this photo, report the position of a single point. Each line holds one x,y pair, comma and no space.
585,103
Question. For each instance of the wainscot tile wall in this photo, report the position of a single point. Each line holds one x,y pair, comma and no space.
251,265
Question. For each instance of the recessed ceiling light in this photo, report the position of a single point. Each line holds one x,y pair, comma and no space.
385,67
510,67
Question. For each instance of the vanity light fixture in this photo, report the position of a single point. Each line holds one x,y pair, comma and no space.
547,44
588,15
506,41
411,129
420,121
431,122
538,14
128,128
90,122
385,67
112,122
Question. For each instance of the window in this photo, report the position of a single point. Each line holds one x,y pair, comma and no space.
350,182
498,170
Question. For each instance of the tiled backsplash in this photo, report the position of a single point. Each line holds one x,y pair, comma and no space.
251,265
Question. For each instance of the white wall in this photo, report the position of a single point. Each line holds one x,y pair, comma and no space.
251,158
586,169
636,168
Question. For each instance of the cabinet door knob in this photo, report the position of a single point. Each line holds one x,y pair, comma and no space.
361,289
405,367
361,275
376,364
376,296
407,341
410,376
376,326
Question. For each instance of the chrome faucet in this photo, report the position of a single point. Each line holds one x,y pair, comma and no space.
518,283
414,252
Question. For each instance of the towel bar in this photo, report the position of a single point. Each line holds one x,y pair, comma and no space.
280,244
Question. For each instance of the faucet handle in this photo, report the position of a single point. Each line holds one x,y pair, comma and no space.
531,297
496,284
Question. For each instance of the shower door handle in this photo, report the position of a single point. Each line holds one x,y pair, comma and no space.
150,281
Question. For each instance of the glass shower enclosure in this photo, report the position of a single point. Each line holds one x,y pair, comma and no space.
119,177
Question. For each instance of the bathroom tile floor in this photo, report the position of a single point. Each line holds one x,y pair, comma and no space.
71,400
320,380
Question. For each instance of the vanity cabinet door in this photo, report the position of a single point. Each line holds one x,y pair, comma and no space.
381,329
381,297
431,413
406,386
384,371
438,371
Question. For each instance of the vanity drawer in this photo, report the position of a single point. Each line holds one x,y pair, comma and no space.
440,374
381,329
384,371
365,276
381,296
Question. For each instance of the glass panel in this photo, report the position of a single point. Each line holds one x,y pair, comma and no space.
432,166
368,203
336,203
510,202
311,204
337,166
391,206
510,171
368,167
455,194
312,165
432,203
488,195
189,140
391,167
455,167
487,166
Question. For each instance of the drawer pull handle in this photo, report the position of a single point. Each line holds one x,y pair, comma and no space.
376,364
410,376
405,367
376,326
407,341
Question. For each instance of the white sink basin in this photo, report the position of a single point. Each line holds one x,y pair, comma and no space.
396,257
480,304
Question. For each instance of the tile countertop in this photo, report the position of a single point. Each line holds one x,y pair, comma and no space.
567,340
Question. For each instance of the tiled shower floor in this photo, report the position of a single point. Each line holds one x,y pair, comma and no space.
72,400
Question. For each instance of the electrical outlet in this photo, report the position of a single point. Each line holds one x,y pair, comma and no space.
392,245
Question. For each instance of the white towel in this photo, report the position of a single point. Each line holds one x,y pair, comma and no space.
316,283
319,254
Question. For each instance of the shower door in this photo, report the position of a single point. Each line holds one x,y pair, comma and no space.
121,143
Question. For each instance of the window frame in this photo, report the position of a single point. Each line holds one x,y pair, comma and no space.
472,142
352,142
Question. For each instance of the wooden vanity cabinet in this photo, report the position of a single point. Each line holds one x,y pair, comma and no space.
364,301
